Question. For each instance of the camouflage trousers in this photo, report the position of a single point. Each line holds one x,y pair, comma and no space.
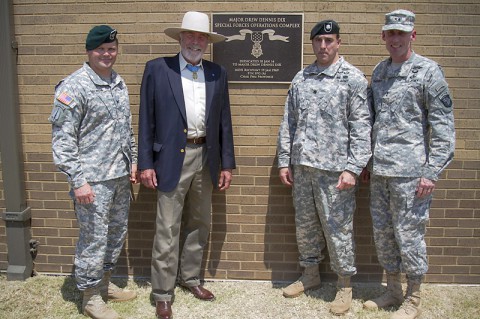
102,231
324,216
399,223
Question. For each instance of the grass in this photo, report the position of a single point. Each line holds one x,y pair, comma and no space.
55,297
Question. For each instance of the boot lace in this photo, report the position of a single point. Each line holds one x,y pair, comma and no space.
408,306
341,295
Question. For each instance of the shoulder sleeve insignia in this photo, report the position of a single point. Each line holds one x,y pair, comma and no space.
446,100
62,107
65,98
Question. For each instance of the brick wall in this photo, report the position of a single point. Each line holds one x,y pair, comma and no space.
253,233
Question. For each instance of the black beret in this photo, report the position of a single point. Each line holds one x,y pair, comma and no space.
325,27
98,35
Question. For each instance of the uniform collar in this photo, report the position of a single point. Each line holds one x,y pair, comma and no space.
97,79
406,66
314,69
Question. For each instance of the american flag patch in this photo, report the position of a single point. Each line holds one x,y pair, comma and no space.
65,98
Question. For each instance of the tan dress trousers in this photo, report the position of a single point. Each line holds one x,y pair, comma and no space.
188,205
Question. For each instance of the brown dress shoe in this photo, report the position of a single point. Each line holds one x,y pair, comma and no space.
201,293
164,310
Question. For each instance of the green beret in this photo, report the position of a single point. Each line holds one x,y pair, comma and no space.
98,35
325,27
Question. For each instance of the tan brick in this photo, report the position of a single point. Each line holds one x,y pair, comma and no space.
46,55
470,279
439,278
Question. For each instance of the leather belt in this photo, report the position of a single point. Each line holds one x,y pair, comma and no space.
197,140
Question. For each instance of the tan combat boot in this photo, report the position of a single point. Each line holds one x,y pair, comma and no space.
343,299
309,279
410,309
112,292
94,307
392,297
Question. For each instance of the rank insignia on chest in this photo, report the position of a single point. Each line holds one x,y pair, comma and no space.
65,98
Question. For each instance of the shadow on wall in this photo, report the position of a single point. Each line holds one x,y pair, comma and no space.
136,255
280,245
281,252
218,234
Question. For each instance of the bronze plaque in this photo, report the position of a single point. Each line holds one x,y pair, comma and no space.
259,47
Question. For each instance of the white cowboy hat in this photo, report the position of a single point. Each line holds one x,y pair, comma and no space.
197,22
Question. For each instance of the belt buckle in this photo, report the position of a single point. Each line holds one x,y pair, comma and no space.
195,139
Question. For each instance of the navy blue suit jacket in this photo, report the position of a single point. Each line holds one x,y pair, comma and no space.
163,127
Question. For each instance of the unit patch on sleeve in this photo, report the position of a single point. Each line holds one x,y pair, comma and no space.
61,107
446,100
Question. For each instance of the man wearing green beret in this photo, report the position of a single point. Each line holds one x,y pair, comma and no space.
94,145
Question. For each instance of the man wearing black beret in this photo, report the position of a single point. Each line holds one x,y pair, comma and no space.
94,145
323,145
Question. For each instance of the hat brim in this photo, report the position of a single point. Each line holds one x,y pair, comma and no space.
401,27
213,37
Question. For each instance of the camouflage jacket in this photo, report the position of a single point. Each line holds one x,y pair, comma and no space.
327,122
92,136
413,134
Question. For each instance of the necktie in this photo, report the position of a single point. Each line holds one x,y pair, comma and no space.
194,69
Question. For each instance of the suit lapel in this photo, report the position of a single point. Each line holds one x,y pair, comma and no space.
175,80
209,88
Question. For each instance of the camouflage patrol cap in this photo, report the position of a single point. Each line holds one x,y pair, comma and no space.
402,20
325,27
98,35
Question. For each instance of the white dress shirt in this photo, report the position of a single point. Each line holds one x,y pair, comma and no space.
195,99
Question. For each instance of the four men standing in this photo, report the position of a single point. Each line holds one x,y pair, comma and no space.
186,149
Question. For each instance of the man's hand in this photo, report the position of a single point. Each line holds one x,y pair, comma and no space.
365,176
149,178
134,174
425,187
286,176
346,180
84,194
225,179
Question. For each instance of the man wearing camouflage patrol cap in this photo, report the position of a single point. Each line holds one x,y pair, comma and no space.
323,145
94,145
413,140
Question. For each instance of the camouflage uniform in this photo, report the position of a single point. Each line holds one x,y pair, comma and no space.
93,143
325,131
413,136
